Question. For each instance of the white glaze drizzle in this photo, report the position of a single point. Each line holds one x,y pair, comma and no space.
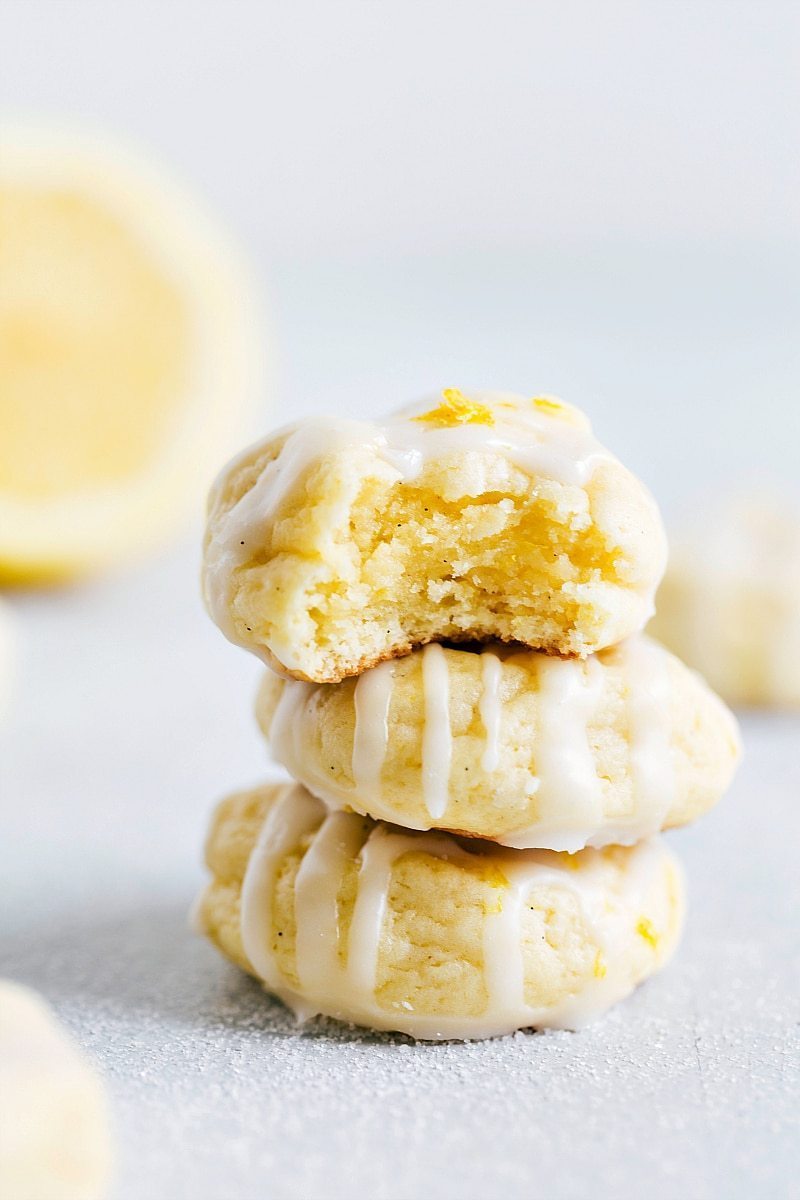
565,760
378,855
535,442
570,800
288,728
652,765
503,960
336,843
342,980
293,729
569,691
437,736
372,698
490,707
294,814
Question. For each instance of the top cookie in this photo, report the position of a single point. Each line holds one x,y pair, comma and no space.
336,544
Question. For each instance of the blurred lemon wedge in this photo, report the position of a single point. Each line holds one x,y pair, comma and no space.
129,353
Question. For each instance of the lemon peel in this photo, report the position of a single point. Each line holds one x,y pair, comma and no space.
456,409
497,880
647,930
550,405
495,877
599,968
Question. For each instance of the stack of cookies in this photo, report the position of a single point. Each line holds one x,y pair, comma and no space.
484,745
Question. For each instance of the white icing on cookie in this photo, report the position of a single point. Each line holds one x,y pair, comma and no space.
339,974
568,789
491,709
372,697
437,737
553,442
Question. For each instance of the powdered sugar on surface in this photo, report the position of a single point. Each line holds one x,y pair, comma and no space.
131,717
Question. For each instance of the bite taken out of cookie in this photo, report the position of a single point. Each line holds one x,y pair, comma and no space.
334,544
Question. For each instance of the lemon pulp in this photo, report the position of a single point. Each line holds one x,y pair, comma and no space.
94,345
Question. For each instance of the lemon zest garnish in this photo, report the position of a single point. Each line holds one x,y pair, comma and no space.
497,880
646,930
599,969
553,407
456,409
495,877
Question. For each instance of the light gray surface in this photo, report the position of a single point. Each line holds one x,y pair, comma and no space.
596,200
593,200
355,126
130,718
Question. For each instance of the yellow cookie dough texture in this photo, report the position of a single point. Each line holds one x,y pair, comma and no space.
730,603
429,934
54,1127
538,751
335,544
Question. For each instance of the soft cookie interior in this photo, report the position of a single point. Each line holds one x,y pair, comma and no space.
362,566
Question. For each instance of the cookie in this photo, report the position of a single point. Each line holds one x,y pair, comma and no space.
430,934
511,744
335,544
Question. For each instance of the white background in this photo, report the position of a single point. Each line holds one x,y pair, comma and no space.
597,200
593,199
361,127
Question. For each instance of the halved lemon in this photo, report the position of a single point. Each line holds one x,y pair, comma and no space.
129,352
